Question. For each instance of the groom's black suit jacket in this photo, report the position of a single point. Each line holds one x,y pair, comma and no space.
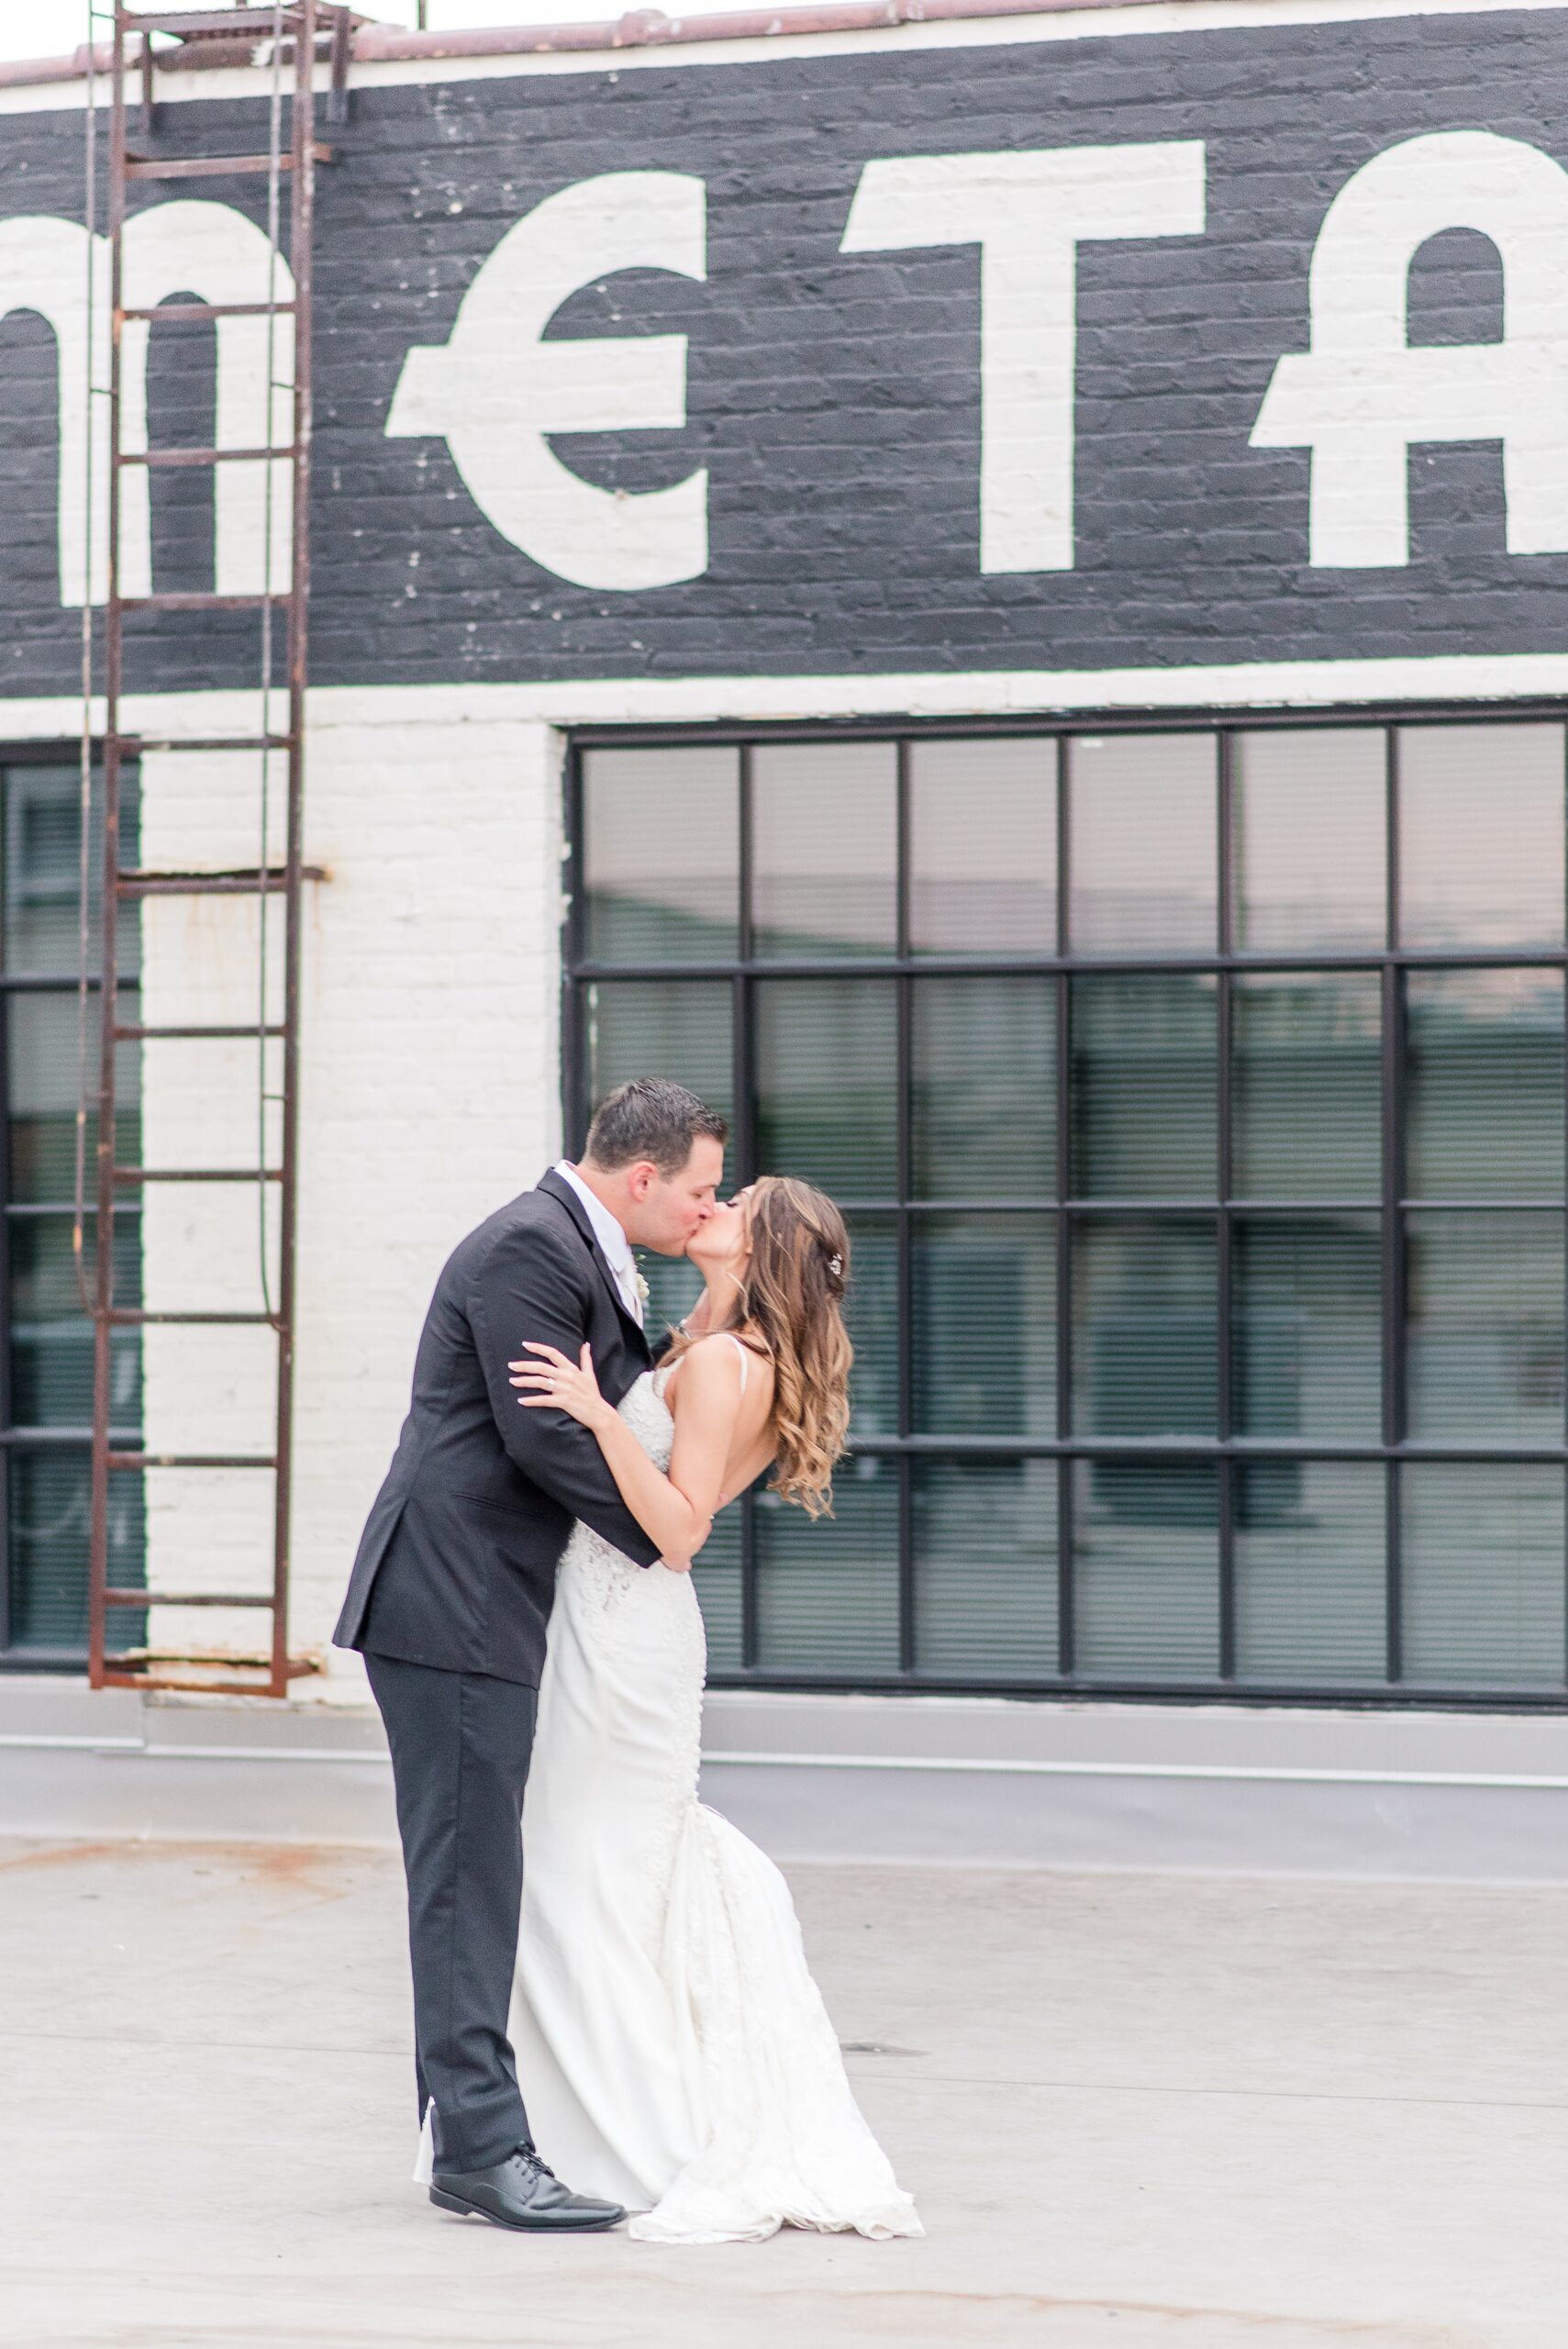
456,1566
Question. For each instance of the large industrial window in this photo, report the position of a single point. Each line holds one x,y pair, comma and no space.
46,1337
1197,1100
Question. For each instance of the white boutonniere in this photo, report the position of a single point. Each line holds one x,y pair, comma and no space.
643,1291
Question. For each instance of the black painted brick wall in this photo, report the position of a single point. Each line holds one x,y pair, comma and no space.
834,398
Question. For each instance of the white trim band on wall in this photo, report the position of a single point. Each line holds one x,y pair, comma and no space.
730,1759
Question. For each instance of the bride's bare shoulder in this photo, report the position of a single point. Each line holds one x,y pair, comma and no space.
720,1367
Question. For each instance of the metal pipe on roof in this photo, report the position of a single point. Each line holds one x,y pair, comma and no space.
639,29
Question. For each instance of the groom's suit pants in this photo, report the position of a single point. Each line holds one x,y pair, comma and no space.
461,1743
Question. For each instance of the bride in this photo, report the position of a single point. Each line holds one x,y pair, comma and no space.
678,2055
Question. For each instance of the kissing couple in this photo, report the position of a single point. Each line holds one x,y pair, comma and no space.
523,1600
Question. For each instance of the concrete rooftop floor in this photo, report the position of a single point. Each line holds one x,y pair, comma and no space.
1140,2112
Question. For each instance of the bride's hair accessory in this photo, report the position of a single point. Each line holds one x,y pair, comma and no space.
836,1266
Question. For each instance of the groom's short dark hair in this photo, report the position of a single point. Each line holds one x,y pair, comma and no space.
651,1117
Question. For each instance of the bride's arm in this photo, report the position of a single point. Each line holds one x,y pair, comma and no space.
677,1510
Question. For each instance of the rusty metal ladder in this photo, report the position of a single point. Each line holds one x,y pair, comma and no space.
300,31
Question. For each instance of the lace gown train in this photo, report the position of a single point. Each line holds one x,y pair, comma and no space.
674,2049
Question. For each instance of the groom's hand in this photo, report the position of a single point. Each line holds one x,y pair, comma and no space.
554,1384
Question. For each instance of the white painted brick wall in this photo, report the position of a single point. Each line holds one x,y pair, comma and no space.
431,1094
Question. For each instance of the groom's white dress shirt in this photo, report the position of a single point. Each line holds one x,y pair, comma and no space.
611,1239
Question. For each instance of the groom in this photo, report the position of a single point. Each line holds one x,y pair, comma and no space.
451,1591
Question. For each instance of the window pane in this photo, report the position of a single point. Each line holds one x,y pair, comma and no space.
982,848
1484,1306
1306,1099
50,1517
51,1336
717,1575
1141,842
985,1599
42,1031
826,1104
1146,1571
1306,1327
983,1095
676,1027
1482,1574
673,1287
1485,1084
1143,1329
42,869
1311,1575
1481,835
1143,1088
660,854
824,834
984,1353
1310,840
827,1593
870,1316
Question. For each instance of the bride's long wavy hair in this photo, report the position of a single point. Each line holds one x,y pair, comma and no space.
790,1307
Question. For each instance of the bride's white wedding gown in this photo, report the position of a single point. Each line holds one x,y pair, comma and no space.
673,2051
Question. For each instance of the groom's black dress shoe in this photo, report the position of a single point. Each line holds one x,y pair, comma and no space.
522,2192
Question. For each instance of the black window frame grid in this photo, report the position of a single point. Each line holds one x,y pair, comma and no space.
18,1442
1226,1452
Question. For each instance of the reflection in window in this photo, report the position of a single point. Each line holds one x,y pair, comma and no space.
824,833
49,1522
984,1340
1484,1301
1144,1327
1485,1084
1141,834
870,1314
43,1046
52,1337
1307,1327
827,1101
828,1593
1143,1101
1307,1101
674,1028
982,848
717,1576
985,1585
1311,1573
661,854
1483,1574
982,1088
1481,835
42,871
1308,837
1145,1581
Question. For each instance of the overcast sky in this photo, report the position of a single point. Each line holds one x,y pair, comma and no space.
52,27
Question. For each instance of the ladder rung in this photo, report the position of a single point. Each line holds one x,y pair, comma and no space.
255,882
220,23
200,599
183,311
135,1460
198,1173
201,456
194,1035
139,743
186,1599
211,167
163,1672
137,1317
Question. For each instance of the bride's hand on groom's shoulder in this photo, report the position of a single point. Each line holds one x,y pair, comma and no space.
552,1382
